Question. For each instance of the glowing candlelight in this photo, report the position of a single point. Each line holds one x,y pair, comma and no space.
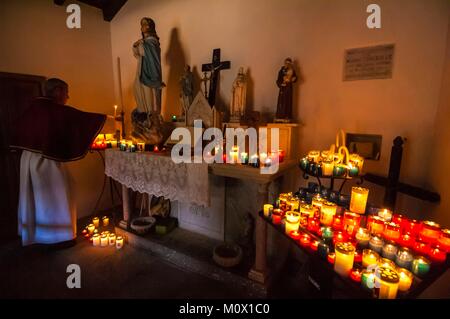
369,257
389,282
404,258
406,279
385,214
91,228
104,240
96,240
112,239
358,200
96,222
268,208
119,242
327,212
343,263
105,221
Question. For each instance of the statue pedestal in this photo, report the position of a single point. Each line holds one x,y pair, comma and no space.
288,133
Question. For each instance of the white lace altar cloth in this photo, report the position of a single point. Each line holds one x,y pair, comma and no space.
157,174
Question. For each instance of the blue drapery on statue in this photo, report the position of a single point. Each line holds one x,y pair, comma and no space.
151,64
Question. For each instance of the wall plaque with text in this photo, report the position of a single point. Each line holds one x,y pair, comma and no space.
369,63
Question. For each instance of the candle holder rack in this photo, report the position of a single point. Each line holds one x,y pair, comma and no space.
316,172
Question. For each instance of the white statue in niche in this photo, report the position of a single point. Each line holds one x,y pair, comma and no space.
239,96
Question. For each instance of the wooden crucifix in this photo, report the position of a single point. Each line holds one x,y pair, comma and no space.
214,68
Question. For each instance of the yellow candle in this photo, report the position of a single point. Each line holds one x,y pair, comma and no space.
91,228
327,212
96,240
119,242
112,239
294,202
327,167
307,209
104,240
358,200
388,280
386,263
105,221
314,156
406,279
370,257
343,263
268,208
292,217
96,222
385,214
113,144
289,227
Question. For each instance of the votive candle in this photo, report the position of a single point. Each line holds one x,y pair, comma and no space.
343,263
389,250
420,266
406,279
430,231
104,240
351,223
389,282
362,237
91,228
358,200
392,231
327,212
119,242
96,222
112,239
376,243
105,221
404,258
370,257
385,214
268,210
96,240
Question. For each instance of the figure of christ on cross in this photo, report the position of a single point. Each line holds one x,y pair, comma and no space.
215,67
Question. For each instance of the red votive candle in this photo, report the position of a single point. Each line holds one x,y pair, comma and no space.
355,274
406,240
314,224
430,232
351,223
376,225
314,245
337,222
392,232
422,247
277,215
305,240
339,237
295,235
281,155
413,227
444,240
331,257
437,254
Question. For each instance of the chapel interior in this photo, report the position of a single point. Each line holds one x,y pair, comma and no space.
347,199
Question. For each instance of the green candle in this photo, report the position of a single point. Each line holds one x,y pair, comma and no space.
420,266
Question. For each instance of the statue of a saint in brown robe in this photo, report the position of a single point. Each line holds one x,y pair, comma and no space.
285,80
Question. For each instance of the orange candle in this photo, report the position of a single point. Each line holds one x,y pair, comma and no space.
376,225
351,223
430,231
392,231
444,239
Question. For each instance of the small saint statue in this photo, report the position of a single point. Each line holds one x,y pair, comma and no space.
187,89
238,97
285,80
148,85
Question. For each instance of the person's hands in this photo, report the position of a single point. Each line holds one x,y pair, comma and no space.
138,42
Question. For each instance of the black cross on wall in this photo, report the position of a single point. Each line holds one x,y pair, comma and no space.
215,68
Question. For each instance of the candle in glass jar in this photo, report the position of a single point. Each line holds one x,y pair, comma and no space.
96,222
96,240
339,237
406,240
406,279
343,262
444,240
327,233
384,262
304,219
317,202
337,222
313,225
385,214
295,235
267,210
392,231
314,245
309,209
327,212
244,158
351,223
91,228
404,258
292,217
358,256
362,237
293,203
355,274
369,257
358,200
437,254
282,200
290,227
314,156
430,231
105,221
420,266
331,257
277,215
327,167
305,240
389,250
376,243
421,246
112,239
368,279
389,281
412,227
119,242
104,240
399,219
376,225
